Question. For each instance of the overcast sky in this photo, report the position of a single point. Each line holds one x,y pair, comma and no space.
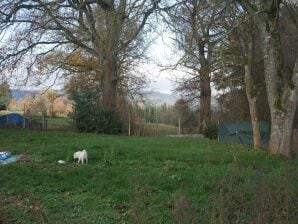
159,52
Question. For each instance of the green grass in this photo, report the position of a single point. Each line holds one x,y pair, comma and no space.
56,122
153,129
142,180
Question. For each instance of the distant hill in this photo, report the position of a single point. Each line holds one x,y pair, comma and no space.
160,98
18,94
153,97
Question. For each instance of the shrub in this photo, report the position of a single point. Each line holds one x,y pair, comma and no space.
211,131
90,116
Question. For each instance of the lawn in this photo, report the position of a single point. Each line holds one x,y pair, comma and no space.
59,122
143,180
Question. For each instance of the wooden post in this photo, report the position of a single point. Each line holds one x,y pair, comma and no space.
24,122
217,130
128,123
179,126
43,122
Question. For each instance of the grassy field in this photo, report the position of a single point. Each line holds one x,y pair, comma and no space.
142,180
152,129
59,122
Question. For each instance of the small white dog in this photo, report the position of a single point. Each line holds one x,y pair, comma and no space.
82,156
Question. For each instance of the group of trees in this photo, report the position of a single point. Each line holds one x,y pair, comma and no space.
45,102
242,46
239,46
49,103
167,114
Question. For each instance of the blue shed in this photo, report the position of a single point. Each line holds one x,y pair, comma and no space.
12,119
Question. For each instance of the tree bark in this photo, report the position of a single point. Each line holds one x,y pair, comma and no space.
205,88
282,91
252,99
205,100
281,87
109,95
114,23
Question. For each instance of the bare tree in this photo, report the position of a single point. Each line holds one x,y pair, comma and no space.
103,29
244,40
195,24
281,81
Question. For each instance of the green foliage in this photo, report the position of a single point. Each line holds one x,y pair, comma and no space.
89,115
143,180
168,114
211,130
2,106
278,104
5,95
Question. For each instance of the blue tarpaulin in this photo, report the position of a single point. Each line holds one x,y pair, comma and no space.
241,132
13,119
11,159
5,155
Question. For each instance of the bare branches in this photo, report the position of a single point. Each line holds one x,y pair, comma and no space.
102,29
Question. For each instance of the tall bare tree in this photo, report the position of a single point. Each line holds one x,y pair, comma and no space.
104,29
195,24
281,78
248,40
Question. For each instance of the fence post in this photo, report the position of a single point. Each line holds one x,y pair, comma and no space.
217,130
128,123
24,122
179,126
43,122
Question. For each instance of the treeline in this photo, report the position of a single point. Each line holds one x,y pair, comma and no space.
43,103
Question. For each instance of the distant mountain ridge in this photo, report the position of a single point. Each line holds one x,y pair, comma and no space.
160,98
18,94
151,96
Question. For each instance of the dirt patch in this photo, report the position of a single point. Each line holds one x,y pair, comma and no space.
4,218
24,157
33,209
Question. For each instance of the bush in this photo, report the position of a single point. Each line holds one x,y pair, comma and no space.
90,116
211,130
2,106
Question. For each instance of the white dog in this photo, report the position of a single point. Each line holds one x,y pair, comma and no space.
81,156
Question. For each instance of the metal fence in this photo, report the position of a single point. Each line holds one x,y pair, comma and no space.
36,122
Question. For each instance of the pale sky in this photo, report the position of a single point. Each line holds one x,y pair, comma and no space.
159,52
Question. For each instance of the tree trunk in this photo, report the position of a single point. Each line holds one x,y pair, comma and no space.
109,95
252,99
282,90
205,100
110,54
205,88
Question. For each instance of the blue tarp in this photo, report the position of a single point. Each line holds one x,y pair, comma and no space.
241,132
11,159
5,155
12,119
